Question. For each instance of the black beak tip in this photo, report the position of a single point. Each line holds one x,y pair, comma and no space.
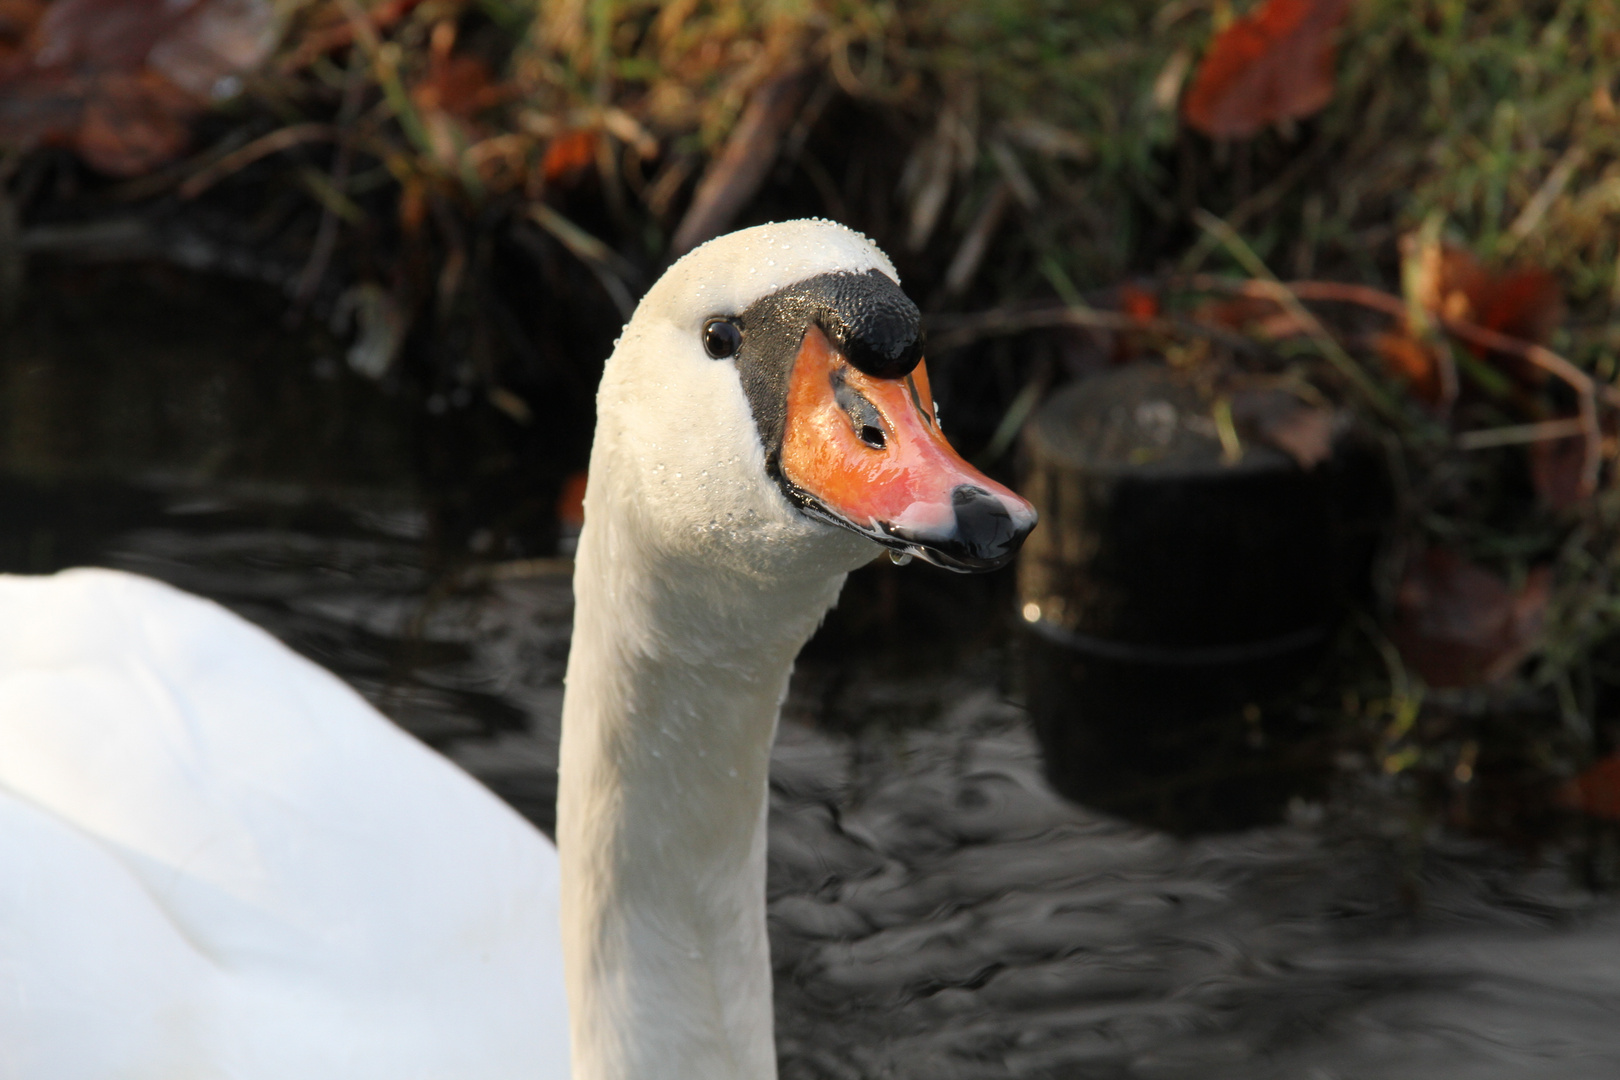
985,535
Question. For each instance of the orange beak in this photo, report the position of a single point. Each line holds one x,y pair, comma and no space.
867,453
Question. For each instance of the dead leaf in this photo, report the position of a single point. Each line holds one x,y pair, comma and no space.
119,80
17,21
568,155
1557,469
220,40
1412,361
1138,302
1459,624
571,501
133,124
1525,302
1595,792
1275,63
457,84
1303,431
96,36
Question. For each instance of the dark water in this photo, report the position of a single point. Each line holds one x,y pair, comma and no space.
936,911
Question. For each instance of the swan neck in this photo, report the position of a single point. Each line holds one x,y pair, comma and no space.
675,680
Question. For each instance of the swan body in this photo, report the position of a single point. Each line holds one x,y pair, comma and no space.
218,861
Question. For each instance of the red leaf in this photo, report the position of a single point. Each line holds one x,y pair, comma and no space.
1595,792
457,84
1522,302
1138,302
568,155
1458,624
1276,63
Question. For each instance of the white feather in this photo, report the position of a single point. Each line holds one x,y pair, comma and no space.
216,860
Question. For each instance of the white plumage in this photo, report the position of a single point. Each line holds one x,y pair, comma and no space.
216,860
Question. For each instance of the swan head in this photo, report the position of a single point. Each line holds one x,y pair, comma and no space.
771,386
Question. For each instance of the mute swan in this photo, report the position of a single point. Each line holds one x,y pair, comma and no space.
217,861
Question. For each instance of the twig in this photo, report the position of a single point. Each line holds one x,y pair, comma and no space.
953,332
1012,421
275,142
326,233
1279,292
970,253
1549,361
736,173
1547,193
610,268
1515,434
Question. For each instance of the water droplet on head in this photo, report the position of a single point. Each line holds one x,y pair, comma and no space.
899,558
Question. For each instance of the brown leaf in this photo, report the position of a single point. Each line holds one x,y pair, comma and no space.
120,79
1458,624
97,36
17,21
1302,431
1595,792
133,123
1275,63
220,40
568,155
1412,361
1557,469
1138,301
456,83
1524,302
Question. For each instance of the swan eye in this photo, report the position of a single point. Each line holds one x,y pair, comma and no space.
721,338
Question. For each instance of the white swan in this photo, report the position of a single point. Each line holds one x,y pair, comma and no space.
217,861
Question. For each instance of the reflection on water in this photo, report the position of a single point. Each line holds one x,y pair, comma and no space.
936,912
